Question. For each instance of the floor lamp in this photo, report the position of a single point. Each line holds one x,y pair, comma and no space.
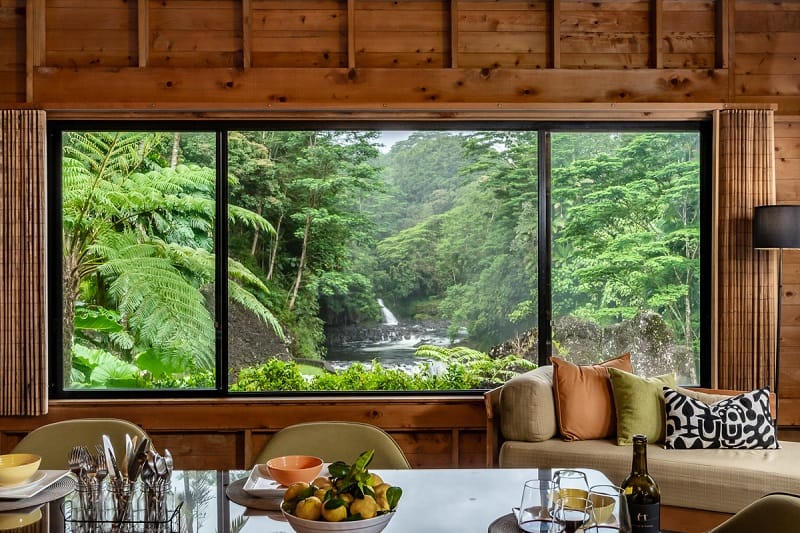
778,227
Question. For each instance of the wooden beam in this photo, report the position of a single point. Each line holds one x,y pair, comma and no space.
657,34
454,33
143,28
351,34
721,36
215,88
35,44
247,33
555,35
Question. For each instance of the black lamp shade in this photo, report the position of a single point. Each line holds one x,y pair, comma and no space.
776,226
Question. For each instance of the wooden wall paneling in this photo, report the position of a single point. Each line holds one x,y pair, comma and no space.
195,33
247,34
35,43
722,22
555,35
607,35
689,34
13,61
301,33
509,34
767,37
411,33
351,33
454,33
104,35
143,31
656,33
226,433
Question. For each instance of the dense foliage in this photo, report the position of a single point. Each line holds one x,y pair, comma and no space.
442,226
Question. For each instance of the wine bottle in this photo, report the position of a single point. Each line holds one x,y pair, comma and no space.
641,491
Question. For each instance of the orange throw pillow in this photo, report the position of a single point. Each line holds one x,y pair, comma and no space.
584,398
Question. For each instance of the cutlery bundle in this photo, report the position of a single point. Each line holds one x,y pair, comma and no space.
122,491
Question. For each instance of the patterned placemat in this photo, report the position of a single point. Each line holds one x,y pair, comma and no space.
235,493
505,524
57,490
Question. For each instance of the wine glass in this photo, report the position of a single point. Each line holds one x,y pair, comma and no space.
572,514
610,510
571,484
535,512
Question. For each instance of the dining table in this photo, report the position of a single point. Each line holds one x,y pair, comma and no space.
460,500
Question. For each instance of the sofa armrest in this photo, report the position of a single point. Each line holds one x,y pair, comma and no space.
494,436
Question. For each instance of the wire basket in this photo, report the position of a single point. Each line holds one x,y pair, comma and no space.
75,523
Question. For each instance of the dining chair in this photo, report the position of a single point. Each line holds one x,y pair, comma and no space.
774,512
53,442
335,441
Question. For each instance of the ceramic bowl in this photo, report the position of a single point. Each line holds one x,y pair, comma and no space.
293,468
370,525
17,468
602,507
9,521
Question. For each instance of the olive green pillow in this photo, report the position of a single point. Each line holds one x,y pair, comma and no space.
639,402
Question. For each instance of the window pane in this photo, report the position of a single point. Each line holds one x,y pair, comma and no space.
381,260
138,265
626,256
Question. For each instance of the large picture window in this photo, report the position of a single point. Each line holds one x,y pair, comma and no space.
318,259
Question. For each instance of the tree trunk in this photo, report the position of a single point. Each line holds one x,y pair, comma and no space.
69,293
301,266
176,143
254,245
273,252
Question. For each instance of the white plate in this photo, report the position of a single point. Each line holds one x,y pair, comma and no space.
40,481
263,486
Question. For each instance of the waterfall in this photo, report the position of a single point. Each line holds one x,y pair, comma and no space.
388,317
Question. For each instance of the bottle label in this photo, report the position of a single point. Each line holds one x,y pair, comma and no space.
645,518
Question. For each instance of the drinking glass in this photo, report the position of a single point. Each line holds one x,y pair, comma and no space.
571,484
610,510
572,514
535,512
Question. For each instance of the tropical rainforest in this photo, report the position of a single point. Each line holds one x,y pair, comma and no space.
319,224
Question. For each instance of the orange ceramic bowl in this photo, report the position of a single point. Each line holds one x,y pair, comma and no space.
293,468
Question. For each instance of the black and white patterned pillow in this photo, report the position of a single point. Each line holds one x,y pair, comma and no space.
741,421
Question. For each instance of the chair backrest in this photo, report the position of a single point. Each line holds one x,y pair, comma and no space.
53,442
335,441
773,512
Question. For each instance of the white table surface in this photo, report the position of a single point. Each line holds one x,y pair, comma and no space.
438,500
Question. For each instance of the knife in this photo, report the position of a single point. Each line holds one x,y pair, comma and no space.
138,458
111,463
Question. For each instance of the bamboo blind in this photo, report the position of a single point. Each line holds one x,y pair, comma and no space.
747,305
23,296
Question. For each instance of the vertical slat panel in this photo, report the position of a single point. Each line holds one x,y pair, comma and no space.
144,32
555,35
23,305
247,33
35,42
351,33
657,33
454,33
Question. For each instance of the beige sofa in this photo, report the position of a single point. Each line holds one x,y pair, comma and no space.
522,432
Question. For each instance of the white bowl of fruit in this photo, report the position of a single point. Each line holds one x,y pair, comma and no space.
350,499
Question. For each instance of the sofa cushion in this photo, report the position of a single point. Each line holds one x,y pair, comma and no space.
741,421
583,397
527,411
639,402
715,480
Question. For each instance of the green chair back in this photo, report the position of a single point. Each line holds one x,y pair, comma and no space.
53,442
335,441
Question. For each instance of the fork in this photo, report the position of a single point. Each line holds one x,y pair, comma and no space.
76,464
102,467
